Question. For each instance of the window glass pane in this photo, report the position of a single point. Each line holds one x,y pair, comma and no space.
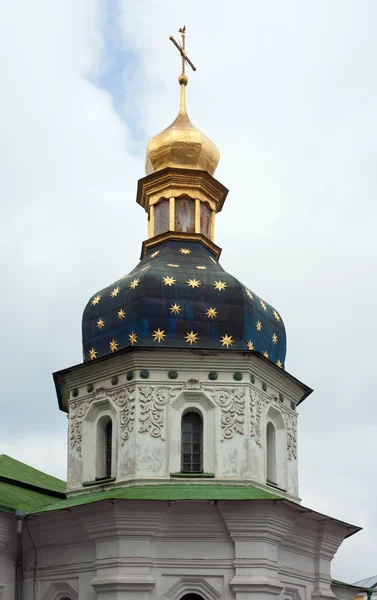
161,217
205,219
192,442
184,215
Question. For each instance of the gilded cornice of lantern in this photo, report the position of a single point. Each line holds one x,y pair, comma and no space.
180,236
173,182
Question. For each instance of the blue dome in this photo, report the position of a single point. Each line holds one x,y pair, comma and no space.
179,296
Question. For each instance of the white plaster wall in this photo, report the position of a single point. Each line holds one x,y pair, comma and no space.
7,555
141,550
147,416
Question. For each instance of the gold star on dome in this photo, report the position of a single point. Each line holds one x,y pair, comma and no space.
265,353
185,251
113,345
169,280
258,326
226,340
159,335
100,324
115,292
93,353
263,305
154,254
134,284
201,267
274,339
173,265
249,294
278,362
175,309
121,314
276,315
132,338
191,338
211,313
220,285
250,345
96,299
213,260
194,283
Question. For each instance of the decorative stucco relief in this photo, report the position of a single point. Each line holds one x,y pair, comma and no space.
291,426
258,404
153,400
77,412
232,404
123,398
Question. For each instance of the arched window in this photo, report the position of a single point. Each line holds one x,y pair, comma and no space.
271,453
104,447
109,446
192,597
192,443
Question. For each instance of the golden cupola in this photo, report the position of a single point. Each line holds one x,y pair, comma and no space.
181,145
179,192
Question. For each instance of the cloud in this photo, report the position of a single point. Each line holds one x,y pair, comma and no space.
287,93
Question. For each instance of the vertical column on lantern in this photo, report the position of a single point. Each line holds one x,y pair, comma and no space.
171,214
151,222
212,230
197,215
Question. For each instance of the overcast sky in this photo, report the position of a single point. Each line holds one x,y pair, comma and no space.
288,92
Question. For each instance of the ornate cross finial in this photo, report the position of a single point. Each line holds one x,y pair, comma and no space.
185,59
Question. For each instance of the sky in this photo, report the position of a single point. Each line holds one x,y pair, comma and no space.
288,93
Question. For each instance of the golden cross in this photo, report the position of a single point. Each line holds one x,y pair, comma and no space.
182,49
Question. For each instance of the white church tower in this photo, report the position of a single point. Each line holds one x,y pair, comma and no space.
182,441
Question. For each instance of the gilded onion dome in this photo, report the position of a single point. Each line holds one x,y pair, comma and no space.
181,145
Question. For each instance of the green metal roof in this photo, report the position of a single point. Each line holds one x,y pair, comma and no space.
350,585
173,491
14,497
25,488
18,472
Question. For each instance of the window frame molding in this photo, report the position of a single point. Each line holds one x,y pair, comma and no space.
275,417
192,401
98,409
60,590
192,585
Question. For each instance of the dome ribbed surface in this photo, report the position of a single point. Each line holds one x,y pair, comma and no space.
179,296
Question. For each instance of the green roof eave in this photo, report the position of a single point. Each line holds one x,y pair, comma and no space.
167,492
14,472
14,497
352,586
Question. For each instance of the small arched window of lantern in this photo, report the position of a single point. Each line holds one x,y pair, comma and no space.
192,443
184,214
271,453
104,447
161,217
192,597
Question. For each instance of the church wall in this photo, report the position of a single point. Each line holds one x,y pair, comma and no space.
7,555
147,416
140,550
